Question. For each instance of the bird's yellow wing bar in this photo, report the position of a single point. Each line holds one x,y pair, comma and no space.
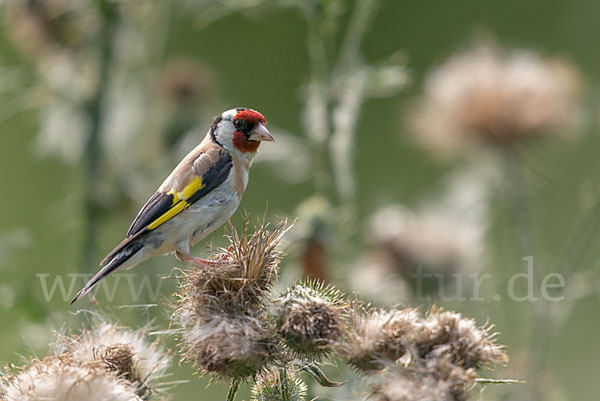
163,206
179,202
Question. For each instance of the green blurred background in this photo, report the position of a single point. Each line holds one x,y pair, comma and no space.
254,54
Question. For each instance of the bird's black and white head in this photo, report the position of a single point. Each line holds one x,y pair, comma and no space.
241,131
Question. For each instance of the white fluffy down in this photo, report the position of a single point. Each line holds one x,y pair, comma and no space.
150,359
60,379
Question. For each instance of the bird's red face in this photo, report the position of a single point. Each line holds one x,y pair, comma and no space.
249,131
240,130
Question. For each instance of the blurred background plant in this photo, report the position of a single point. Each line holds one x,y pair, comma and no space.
406,144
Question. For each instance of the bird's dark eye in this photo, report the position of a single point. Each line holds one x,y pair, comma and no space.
241,125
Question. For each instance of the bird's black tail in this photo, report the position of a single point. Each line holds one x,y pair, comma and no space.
114,263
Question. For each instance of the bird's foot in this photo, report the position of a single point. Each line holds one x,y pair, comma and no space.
202,263
188,258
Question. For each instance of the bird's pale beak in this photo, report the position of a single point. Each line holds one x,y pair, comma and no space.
261,133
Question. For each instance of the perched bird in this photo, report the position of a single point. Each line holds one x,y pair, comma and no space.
200,195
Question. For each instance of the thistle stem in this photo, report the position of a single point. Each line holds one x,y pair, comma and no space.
517,191
233,389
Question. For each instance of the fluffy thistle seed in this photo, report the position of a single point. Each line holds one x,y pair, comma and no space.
310,319
124,352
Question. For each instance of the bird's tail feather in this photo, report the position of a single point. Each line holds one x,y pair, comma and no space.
113,264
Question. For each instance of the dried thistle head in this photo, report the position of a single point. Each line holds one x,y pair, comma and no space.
432,380
239,277
119,359
238,347
221,309
379,336
125,352
63,378
402,387
310,318
466,344
496,97
275,385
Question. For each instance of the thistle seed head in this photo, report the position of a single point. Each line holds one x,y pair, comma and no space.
434,380
405,388
377,336
468,346
237,347
62,378
240,276
277,385
310,318
125,352
119,359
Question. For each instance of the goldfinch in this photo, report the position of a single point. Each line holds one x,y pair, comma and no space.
200,195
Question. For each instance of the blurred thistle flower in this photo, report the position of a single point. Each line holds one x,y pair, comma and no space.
431,239
497,97
311,318
44,26
444,237
221,308
313,234
277,385
429,245
106,363
375,278
186,82
314,260
187,87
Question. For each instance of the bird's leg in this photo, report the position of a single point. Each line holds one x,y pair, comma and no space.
187,257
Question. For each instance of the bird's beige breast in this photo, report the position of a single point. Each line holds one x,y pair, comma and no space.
240,175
